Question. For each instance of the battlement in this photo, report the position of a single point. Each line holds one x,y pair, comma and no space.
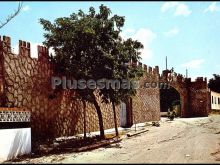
197,80
147,69
1,68
43,52
5,43
23,47
201,79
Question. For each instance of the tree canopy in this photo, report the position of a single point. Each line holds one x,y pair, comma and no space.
89,46
214,83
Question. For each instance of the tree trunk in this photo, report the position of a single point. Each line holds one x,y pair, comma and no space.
84,115
115,118
99,113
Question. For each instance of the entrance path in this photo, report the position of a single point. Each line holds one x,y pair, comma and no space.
191,140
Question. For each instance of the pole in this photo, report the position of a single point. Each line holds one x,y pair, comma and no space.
84,115
166,62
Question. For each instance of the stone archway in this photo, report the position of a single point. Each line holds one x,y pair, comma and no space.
170,98
176,83
181,88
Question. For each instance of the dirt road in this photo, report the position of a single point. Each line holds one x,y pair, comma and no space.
193,140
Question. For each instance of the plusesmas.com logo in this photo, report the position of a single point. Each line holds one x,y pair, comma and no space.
67,83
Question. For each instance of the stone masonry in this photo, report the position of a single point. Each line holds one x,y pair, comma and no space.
26,83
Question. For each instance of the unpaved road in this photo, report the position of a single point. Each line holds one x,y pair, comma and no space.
193,140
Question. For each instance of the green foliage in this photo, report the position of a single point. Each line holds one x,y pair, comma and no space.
214,83
89,46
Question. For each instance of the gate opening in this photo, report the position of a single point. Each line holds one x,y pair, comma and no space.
170,100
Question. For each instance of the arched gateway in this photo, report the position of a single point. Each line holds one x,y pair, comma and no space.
26,83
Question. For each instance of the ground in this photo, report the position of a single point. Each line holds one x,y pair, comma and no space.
191,140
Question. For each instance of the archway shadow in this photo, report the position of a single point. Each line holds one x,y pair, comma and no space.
170,99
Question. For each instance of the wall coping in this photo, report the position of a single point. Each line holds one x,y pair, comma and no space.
13,109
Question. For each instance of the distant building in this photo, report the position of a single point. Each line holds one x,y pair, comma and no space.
215,100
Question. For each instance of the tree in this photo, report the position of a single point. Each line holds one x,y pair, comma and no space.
214,83
89,46
127,53
11,16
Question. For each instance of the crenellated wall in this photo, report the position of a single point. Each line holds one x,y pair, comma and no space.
194,95
27,84
146,103
199,98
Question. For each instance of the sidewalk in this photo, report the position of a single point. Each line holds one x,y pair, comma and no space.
123,131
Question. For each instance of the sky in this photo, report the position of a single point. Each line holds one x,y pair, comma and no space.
188,33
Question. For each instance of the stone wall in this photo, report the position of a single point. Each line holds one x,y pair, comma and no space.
27,84
146,103
194,95
199,98
2,94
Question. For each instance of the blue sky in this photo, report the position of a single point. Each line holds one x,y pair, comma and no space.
188,33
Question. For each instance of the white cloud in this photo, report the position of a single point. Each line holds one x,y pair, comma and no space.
183,10
193,78
212,7
34,52
145,36
51,51
193,64
179,8
172,32
129,30
168,5
26,8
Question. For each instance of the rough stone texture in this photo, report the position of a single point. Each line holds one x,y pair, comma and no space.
26,83
194,96
146,103
199,98
2,94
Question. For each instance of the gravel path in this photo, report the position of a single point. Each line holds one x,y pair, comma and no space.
192,140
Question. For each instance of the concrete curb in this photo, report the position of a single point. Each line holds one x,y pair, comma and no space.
97,145
136,133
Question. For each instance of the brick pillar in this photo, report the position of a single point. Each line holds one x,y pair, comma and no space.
157,69
6,44
24,48
43,53
1,66
150,69
5,50
145,67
